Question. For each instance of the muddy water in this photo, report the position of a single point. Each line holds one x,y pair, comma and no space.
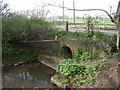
27,76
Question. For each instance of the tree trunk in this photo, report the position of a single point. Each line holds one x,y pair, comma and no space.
118,38
118,24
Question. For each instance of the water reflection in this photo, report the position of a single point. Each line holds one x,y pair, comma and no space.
27,76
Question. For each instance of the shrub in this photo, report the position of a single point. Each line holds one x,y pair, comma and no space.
9,50
19,28
99,35
13,28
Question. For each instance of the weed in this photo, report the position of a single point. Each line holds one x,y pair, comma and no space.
89,79
116,54
63,80
103,64
92,70
118,69
82,74
80,80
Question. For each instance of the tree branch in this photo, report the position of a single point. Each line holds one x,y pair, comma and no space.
85,10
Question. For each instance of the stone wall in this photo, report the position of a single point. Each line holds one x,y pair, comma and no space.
41,47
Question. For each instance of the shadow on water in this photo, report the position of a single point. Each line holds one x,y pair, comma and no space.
27,76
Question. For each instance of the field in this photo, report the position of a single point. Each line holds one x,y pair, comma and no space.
100,21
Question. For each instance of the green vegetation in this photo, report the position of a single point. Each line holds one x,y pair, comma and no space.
79,56
81,74
118,69
98,36
21,28
84,37
87,77
9,50
80,80
79,35
61,33
69,20
11,53
77,71
116,54
61,79
92,70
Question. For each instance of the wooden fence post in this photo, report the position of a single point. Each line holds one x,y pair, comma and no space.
66,26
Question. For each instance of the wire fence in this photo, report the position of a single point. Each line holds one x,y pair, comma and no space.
61,25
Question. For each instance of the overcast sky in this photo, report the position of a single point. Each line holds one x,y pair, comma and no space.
22,5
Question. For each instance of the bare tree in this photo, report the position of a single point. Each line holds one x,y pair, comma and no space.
4,9
39,12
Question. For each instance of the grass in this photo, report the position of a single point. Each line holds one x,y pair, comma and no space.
62,33
69,20
61,79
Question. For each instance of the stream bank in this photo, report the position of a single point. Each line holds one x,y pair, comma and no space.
106,78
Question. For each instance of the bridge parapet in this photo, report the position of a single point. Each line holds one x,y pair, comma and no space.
66,47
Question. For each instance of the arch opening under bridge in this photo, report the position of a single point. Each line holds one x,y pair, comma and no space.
66,52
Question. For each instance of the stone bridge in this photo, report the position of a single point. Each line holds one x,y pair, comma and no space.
66,47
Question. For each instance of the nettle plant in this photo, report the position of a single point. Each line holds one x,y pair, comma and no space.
69,67
79,56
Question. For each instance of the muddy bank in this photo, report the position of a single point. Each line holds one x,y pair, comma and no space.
50,61
16,63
